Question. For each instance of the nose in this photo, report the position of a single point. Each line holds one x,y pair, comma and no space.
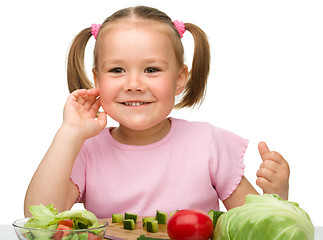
134,83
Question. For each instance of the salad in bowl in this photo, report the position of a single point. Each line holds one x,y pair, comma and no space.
46,223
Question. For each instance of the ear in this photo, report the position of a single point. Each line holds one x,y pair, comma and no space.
95,77
181,80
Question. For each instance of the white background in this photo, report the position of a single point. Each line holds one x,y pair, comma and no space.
267,65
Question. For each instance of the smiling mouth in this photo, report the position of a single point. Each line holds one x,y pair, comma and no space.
135,104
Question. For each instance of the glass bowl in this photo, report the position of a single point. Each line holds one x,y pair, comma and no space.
25,233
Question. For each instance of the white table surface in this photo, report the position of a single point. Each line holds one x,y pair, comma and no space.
8,233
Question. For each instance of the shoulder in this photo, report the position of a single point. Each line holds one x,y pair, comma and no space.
206,132
203,128
98,141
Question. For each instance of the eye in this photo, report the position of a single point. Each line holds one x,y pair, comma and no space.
117,70
151,70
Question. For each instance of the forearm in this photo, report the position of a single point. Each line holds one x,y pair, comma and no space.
52,178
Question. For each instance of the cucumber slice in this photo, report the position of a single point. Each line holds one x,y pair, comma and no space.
146,219
152,226
214,215
129,224
161,217
173,213
131,216
117,218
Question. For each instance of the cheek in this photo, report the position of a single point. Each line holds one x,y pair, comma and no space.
106,96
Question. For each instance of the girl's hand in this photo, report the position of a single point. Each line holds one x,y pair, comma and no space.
273,174
80,113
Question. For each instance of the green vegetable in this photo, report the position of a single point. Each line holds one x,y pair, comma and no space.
214,215
131,216
83,236
29,236
173,213
265,217
152,226
75,237
117,218
47,217
129,224
39,234
83,219
146,219
161,217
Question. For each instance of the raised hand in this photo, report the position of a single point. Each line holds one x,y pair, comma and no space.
273,173
80,113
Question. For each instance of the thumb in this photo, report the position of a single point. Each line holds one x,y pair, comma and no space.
263,149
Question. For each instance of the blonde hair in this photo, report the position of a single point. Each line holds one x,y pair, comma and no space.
195,88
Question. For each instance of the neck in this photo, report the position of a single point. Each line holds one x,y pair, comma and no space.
141,137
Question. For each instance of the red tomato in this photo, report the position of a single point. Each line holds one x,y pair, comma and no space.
66,222
92,236
59,235
190,224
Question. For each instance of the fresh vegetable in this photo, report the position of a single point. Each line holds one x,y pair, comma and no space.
117,218
129,224
214,215
66,222
92,236
173,213
61,234
189,224
131,216
265,217
146,219
152,226
48,218
161,217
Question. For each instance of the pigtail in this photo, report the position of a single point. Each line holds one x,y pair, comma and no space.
195,88
76,75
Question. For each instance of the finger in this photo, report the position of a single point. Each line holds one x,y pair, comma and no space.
263,149
267,174
94,108
93,92
102,119
87,98
89,102
276,157
271,165
79,92
264,184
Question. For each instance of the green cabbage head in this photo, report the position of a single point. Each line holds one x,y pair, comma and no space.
265,217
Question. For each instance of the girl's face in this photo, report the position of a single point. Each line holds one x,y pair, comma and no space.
137,74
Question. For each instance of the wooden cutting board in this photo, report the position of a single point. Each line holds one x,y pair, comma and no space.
117,230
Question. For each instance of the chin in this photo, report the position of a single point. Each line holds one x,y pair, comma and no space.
137,125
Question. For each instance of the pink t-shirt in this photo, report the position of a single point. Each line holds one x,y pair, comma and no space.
193,166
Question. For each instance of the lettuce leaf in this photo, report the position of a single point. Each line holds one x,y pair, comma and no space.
265,217
82,218
43,217
47,217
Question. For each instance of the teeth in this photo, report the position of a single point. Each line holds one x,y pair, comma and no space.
134,103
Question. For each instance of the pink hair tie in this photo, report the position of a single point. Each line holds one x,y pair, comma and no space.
180,27
95,29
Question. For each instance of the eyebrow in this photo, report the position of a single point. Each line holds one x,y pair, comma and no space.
146,61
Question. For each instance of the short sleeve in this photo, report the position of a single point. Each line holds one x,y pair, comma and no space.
78,174
227,166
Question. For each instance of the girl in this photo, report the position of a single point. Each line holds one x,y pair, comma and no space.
149,161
